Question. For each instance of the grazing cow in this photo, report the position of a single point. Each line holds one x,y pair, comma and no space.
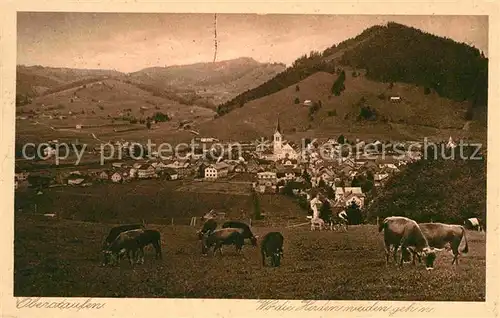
152,237
208,227
124,243
438,235
272,246
114,232
404,232
225,236
247,233
132,244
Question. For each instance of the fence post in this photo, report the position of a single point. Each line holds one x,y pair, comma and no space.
250,222
172,222
377,221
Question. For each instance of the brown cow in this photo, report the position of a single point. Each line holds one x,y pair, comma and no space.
439,235
132,244
404,232
218,238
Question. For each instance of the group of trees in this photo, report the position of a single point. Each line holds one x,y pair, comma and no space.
418,192
365,182
339,85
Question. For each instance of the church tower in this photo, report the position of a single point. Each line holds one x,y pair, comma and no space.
277,140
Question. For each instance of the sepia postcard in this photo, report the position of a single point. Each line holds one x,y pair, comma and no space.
241,159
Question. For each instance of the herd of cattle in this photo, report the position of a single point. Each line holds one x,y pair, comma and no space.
400,234
129,240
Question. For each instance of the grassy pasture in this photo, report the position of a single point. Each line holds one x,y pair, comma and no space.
57,257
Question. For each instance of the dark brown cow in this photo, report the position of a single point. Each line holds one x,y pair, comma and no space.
208,227
272,246
439,235
405,233
114,232
124,243
218,238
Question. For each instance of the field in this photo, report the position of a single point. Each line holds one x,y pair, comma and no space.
155,201
57,257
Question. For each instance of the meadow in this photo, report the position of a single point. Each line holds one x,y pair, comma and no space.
60,257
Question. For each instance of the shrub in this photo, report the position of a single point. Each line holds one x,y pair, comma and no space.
338,85
257,213
354,214
297,100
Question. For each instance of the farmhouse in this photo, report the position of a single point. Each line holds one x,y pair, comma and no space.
146,172
170,174
240,167
350,194
117,164
21,176
103,175
116,177
267,178
75,179
210,172
217,170
307,102
379,178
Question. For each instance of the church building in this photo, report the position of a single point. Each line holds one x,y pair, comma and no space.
281,150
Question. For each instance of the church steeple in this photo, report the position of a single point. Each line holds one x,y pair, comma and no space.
278,129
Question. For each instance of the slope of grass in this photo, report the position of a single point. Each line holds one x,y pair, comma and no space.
340,114
61,258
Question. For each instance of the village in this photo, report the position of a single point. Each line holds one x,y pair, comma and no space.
267,167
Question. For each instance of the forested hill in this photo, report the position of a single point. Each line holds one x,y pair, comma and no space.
392,53
403,54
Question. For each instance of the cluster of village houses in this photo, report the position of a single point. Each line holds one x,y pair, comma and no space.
268,169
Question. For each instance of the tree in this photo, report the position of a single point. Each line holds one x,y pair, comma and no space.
321,183
354,214
355,182
306,176
297,88
338,85
370,176
160,117
341,139
288,189
257,213
330,194
325,211
367,185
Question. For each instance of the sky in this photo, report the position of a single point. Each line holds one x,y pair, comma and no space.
128,42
